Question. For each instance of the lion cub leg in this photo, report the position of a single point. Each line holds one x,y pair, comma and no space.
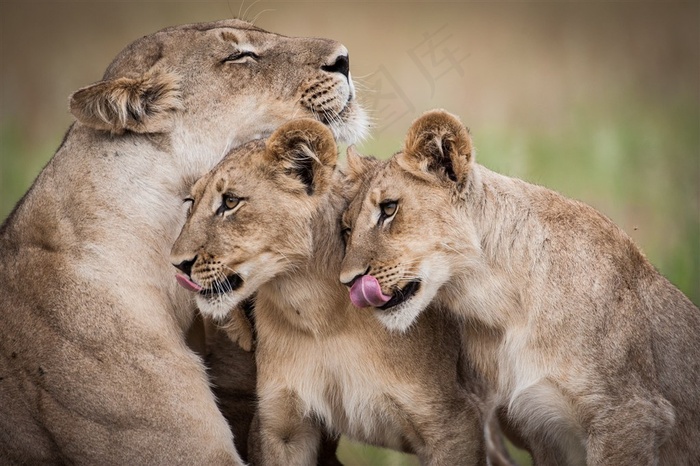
450,432
630,433
284,436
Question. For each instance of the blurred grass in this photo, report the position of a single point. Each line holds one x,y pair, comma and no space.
357,454
21,160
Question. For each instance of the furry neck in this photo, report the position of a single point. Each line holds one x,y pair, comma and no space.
491,247
311,298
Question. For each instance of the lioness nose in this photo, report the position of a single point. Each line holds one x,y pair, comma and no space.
186,266
341,64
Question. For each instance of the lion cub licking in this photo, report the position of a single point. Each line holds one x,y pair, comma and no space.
267,220
591,353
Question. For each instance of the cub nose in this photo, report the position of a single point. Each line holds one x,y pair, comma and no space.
341,64
345,280
186,266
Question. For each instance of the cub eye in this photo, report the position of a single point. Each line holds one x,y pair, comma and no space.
239,56
231,202
228,203
345,233
387,210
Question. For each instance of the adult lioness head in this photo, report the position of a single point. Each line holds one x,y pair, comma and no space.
393,236
97,351
237,80
251,217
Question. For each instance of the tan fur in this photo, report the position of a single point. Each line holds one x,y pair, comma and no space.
94,368
233,378
592,355
144,104
239,329
321,362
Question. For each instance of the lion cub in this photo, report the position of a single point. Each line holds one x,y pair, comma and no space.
593,356
266,220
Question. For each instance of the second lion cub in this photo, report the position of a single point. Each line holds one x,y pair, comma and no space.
593,356
267,220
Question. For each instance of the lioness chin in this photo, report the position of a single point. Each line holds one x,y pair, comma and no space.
93,363
266,221
591,354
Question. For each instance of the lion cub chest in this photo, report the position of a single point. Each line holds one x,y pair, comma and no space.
341,380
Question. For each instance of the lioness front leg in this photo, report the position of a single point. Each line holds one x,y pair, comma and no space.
285,435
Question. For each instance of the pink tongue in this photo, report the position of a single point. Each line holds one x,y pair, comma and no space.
186,283
366,292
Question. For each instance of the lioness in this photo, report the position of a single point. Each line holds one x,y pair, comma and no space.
267,220
93,364
592,354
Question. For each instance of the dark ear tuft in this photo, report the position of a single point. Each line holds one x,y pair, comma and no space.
304,150
439,144
144,104
359,165
360,169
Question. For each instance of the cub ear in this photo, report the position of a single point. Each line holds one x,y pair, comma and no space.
438,144
359,165
358,172
144,104
305,151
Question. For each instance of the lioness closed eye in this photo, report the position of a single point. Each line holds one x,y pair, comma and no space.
93,363
591,354
267,221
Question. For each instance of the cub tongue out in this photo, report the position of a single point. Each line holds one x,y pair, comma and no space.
366,292
186,283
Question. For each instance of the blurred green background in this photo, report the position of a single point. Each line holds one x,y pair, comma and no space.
599,101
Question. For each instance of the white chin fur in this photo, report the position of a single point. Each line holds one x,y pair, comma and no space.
219,306
356,127
399,319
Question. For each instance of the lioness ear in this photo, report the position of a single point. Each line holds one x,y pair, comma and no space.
144,104
305,151
437,143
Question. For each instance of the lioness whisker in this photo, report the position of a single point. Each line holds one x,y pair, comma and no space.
260,13
245,13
